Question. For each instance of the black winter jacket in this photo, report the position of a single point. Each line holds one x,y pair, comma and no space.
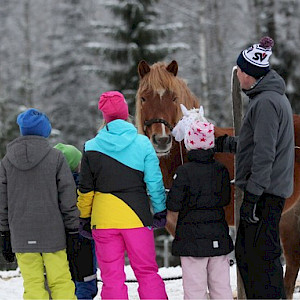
200,190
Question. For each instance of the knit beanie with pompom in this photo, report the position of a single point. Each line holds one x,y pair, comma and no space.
254,61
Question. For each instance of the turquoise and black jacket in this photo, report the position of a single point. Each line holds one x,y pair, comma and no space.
119,173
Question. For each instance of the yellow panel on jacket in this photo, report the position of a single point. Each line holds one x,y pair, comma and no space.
108,211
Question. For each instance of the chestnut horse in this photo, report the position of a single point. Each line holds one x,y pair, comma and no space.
158,100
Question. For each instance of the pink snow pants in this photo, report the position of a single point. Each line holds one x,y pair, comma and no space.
200,273
111,245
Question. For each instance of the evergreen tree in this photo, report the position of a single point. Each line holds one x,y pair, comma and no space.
135,38
65,88
9,128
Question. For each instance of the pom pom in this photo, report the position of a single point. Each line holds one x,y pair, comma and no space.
266,42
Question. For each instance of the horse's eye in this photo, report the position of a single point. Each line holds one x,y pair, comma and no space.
174,99
143,99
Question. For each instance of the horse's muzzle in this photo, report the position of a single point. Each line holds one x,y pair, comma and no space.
162,144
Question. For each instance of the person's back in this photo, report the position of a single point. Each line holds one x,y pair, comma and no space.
202,229
122,161
200,190
38,206
119,167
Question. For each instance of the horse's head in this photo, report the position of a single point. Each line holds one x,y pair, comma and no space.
158,100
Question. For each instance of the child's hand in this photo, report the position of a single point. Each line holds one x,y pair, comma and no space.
160,219
172,217
5,246
85,228
73,243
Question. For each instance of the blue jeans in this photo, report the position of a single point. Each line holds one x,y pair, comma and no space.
88,289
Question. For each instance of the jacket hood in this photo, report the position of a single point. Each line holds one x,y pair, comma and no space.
116,135
26,152
271,82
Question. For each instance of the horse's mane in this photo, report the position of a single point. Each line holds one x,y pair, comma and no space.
160,79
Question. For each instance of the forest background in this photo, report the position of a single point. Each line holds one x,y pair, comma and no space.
60,55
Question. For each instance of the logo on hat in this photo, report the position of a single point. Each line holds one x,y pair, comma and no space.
259,56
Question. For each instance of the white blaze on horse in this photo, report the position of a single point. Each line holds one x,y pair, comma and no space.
158,110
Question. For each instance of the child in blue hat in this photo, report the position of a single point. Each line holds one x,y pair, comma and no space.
38,209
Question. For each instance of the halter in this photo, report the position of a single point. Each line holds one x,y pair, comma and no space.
152,121
162,121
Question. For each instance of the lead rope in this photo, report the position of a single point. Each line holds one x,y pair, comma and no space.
181,153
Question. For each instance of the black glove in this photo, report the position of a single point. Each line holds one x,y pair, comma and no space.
248,208
219,143
225,143
160,219
73,242
5,245
85,228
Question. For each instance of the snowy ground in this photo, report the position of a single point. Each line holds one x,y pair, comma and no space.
11,284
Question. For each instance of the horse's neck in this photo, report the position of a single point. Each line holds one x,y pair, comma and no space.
169,163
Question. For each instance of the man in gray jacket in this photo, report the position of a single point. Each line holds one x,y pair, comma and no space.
264,171
38,209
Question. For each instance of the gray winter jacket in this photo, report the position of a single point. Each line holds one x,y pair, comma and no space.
37,196
265,148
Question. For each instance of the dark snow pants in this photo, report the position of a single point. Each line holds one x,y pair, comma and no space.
258,251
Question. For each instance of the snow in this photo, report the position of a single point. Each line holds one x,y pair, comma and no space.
11,284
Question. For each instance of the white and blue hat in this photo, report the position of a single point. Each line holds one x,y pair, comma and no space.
254,61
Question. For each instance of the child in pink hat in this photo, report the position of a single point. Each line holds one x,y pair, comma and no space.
200,190
113,106
120,179
200,136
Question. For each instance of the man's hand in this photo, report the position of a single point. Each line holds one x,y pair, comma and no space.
219,143
248,208
225,143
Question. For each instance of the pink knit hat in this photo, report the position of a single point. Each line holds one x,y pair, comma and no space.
113,106
200,135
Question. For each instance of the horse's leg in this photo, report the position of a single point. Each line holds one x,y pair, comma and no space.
290,238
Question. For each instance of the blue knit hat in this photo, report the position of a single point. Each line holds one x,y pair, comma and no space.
34,122
254,61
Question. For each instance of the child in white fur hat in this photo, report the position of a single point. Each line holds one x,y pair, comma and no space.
200,190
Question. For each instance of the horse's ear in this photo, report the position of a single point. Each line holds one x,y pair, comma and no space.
173,67
143,68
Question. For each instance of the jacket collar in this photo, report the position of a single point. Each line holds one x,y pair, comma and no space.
200,155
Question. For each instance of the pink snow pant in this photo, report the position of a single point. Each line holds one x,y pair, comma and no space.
200,273
111,245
